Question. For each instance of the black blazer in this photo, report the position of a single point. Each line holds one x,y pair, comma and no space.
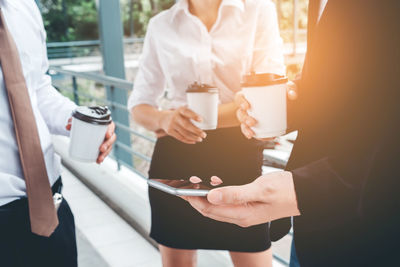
346,160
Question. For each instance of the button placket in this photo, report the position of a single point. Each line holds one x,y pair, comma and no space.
209,65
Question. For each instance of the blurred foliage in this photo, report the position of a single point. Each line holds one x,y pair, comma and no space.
142,11
71,20
285,13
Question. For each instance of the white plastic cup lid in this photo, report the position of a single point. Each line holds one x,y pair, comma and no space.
254,79
201,88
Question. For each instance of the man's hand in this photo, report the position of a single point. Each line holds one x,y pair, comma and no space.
246,121
292,91
269,197
107,145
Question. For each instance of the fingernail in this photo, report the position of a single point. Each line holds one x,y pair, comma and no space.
243,106
216,179
248,121
199,139
213,183
204,135
215,197
195,180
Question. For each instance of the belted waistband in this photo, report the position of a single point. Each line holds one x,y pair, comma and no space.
56,188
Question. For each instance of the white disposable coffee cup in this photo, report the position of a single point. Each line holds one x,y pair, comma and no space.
266,94
89,127
203,99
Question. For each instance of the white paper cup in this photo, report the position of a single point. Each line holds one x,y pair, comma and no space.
89,127
204,100
267,99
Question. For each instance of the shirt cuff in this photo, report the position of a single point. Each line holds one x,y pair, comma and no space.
62,121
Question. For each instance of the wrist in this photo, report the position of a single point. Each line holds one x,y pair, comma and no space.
227,115
162,119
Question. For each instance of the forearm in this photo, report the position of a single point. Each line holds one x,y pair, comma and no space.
148,116
227,115
55,109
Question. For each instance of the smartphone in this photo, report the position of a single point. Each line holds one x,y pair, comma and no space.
180,187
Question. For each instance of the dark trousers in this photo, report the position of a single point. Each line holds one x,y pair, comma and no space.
19,247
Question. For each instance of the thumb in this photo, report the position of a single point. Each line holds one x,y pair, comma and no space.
235,195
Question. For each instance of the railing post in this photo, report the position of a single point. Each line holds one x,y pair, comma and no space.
113,111
295,25
111,37
75,90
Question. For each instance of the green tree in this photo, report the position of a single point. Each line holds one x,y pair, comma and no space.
139,12
70,20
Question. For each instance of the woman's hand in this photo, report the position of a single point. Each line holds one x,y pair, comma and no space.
246,121
177,124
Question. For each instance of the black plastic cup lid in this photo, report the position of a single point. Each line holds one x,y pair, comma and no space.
94,115
201,88
262,79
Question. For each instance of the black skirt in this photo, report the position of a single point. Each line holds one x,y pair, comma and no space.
224,153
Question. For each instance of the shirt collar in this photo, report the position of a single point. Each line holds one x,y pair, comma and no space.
179,7
183,6
235,3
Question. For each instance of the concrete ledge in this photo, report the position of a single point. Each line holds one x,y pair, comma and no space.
124,191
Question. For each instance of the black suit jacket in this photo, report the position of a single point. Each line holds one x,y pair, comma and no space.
346,160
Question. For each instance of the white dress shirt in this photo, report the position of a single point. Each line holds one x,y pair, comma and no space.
179,50
50,108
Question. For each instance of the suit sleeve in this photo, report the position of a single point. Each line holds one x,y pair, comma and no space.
324,196
333,191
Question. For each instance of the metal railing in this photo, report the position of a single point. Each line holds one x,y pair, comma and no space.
56,50
106,81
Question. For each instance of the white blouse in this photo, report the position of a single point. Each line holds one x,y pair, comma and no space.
179,50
